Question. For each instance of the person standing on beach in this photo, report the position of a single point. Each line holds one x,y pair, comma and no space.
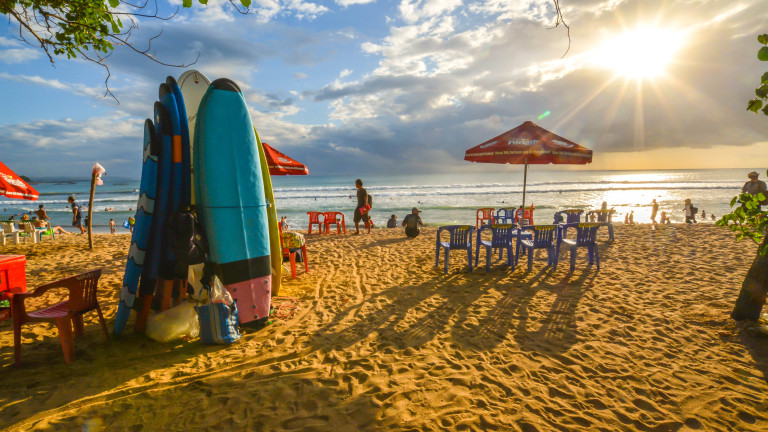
755,186
77,215
654,211
361,211
412,222
112,226
690,211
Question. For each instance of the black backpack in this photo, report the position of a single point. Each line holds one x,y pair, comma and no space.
370,201
187,237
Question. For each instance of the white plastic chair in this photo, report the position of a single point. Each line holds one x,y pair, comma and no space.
10,230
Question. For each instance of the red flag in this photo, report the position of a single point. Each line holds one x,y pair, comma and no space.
280,164
12,186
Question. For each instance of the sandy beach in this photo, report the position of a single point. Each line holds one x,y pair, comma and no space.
383,341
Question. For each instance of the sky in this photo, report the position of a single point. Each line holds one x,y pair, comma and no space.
356,87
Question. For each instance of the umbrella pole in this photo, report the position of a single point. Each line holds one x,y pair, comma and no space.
525,182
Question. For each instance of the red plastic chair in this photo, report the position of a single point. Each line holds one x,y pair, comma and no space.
291,255
314,218
331,218
485,214
526,215
82,299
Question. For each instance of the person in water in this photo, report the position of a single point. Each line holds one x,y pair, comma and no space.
412,222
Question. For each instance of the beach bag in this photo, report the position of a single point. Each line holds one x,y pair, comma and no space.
174,323
293,240
218,318
694,210
187,238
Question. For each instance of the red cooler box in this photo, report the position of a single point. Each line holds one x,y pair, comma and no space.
13,278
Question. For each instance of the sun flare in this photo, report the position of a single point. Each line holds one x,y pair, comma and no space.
642,53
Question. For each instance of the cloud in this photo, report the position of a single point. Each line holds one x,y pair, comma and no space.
300,75
347,3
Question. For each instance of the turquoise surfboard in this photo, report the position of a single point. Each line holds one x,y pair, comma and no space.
139,251
230,197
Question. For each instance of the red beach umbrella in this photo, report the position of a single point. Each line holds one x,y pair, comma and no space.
12,186
526,144
280,164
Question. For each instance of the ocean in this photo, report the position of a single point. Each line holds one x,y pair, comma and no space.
443,198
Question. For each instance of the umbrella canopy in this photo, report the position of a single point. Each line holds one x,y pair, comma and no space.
280,164
526,144
12,186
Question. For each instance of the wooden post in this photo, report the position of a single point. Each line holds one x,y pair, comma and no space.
90,210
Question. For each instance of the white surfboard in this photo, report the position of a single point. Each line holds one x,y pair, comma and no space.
193,85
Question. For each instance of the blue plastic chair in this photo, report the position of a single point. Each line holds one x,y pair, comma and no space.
571,216
505,216
604,218
460,238
501,239
543,238
586,236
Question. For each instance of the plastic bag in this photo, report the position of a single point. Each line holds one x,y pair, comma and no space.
195,281
174,323
218,318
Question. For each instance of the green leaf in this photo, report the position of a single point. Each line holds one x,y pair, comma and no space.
205,2
763,38
246,3
765,110
762,91
762,55
764,78
754,105
116,3
187,3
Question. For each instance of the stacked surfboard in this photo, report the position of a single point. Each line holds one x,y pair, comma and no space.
202,151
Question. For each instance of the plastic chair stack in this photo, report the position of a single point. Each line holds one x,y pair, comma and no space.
314,219
586,237
334,218
82,298
10,230
544,237
501,239
524,216
460,238
484,214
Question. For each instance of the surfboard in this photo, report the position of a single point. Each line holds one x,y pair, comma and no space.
193,86
186,156
276,252
139,251
175,195
231,198
151,267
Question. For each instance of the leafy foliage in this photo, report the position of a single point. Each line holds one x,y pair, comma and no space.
747,220
761,101
88,29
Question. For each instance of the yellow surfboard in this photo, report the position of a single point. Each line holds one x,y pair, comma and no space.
276,252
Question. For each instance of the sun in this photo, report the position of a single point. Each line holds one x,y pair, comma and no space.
641,53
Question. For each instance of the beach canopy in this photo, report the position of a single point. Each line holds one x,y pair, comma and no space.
280,164
527,144
12,186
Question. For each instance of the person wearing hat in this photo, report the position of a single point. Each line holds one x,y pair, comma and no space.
755,186
412,222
